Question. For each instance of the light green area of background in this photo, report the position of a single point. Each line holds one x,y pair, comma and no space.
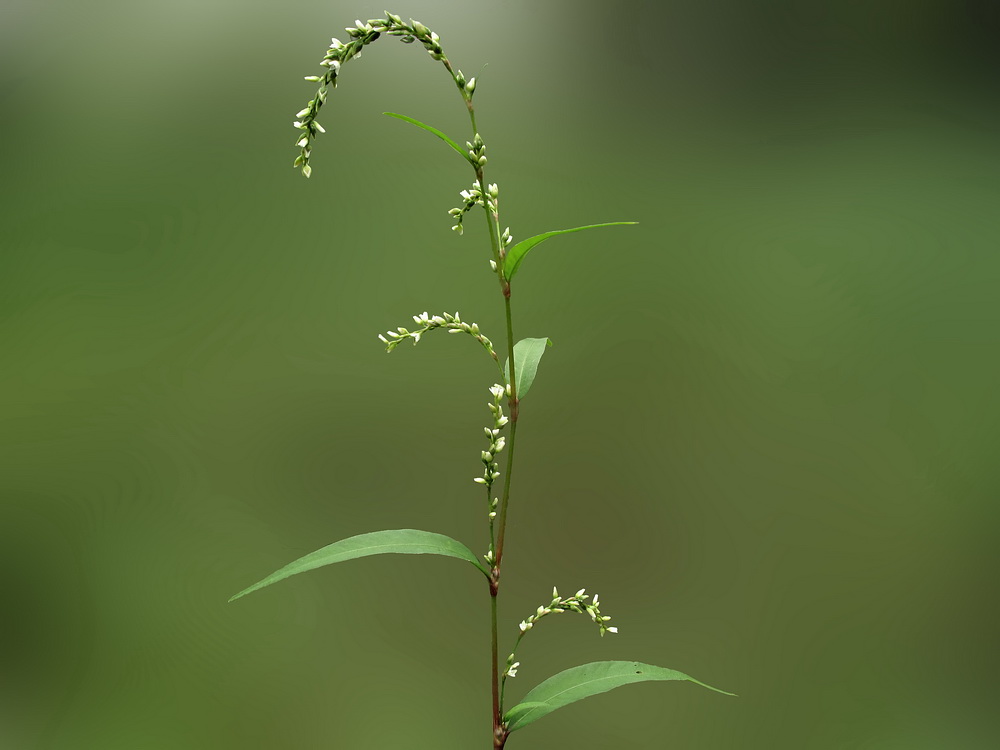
766,433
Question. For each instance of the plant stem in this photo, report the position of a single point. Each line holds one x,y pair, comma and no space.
513,430
497,718
496,248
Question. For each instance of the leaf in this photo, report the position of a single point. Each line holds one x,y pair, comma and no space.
581,682
429,129
398,541
527,353
516,254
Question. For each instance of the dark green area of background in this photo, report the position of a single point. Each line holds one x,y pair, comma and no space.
766,433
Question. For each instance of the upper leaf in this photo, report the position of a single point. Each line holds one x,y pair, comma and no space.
398,541
429,129
527,353
581,682
516,254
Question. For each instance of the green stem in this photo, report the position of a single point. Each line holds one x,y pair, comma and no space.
493,226
503,680
513,433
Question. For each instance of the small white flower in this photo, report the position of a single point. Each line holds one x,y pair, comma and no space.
525,626
555,593
303,142
579,593
307,170
319,127
612,630
479,480
383,339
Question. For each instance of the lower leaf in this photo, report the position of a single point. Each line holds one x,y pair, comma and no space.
395,541
584,681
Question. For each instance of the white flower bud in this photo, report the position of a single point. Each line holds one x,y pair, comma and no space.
612,630
319,127
312,79
307,170
579,594
302,142
555,593
479,480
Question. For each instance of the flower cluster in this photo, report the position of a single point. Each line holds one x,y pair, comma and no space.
427,322
470,199
361,34
576,603
512,666
491,471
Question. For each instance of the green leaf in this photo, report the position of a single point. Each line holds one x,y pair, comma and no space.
435,131
527,353
398,541
581,682
516,254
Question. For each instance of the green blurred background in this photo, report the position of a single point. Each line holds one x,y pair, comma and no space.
766,433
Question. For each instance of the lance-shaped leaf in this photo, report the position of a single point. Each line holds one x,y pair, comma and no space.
581,682
395,541
433,130
527,353
516,254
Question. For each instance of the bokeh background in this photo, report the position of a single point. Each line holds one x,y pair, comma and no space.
766,433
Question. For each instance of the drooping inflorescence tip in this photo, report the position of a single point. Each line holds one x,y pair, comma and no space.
360,35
